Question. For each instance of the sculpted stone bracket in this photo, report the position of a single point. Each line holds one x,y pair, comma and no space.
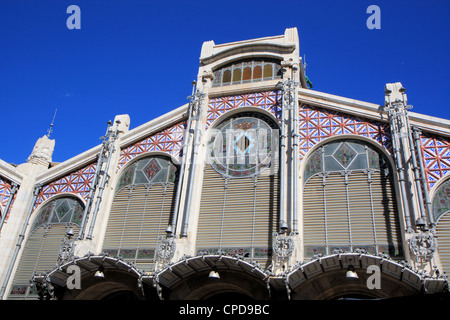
283,246
423,245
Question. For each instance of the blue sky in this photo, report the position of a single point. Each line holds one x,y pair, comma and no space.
139,58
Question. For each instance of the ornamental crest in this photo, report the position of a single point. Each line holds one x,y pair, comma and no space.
423,245
283,245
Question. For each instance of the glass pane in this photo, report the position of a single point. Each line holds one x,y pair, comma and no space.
216,81
441,201
240,145
330,148
126,178
268,72
60,210
257,73
345,154
247,75
226,79
332,165
360,162
314,164
152,169
140,178
374,159
237,75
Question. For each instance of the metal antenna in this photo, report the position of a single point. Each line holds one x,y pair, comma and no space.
50,130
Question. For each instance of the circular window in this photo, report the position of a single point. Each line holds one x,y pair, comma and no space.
242,147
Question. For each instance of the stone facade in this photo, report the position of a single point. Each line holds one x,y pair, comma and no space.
257,244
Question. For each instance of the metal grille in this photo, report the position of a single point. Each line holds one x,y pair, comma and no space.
350,210
238,215
139,214
40,254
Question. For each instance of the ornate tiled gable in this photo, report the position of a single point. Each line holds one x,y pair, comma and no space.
316,124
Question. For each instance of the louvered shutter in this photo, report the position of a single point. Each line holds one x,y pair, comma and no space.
443,238
139,214
348,214
40,254
239,218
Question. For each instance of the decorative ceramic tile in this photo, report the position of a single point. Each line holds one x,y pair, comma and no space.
168,140
77,182
270,101
152,169
441,200
5,194
345,154
316,124
436,157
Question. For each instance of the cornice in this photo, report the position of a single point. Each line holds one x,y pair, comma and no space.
373,111
9,172
254,48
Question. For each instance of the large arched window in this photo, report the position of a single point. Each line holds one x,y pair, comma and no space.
349,201
441,213
141,210
246,71
240,194
40,253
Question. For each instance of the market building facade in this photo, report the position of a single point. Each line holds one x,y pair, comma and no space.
258,188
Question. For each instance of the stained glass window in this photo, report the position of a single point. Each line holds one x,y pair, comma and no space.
141,210
242,147
247,71
441,200
349,201
345,155
60,210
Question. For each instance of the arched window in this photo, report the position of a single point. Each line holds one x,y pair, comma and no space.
349,201
246,71
441,213
141,210
239,200
40,253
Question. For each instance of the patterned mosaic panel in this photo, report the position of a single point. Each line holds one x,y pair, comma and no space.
436,157
77,182
168,140
5,193
316,124
270,101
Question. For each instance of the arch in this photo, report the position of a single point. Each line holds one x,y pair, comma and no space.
236,111
224,62
325,278
353,204
246,70
143,156
142,207
54,198
239,202
441,214
44,240
188,279
370,141
440,196
120,279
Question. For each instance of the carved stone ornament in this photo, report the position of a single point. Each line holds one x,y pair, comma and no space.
166,248
283,245
423,245
42,151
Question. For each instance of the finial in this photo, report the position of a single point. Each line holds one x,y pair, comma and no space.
50,130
